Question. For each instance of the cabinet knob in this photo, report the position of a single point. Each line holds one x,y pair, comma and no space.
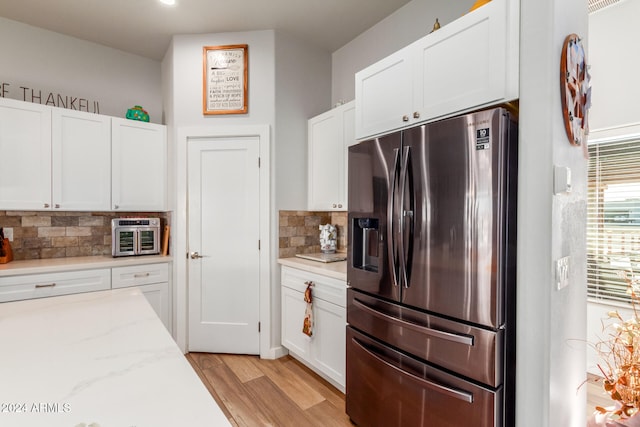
57,206
339,205
335,206
116,207
405,118
416,115
46,205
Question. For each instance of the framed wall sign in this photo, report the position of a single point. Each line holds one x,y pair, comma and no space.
225,71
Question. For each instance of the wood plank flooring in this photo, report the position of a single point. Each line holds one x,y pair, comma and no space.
283,392
257,392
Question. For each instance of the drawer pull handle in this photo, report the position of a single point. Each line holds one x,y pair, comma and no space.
50,285
141,275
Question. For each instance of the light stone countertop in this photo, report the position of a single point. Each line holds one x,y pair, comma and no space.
53,265
337,270
100,359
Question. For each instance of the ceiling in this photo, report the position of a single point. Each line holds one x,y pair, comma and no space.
145,27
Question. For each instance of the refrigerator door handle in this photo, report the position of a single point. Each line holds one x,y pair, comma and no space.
448,391
391,241
448,336
404,278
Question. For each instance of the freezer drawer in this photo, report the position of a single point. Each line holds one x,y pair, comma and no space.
473,352
386,388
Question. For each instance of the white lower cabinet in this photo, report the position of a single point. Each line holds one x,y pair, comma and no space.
152,280
329,339
293,307
324,351
29,286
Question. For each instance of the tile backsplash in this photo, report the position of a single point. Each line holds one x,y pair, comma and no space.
299,233
42,235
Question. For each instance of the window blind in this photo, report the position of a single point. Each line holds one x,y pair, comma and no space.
613,218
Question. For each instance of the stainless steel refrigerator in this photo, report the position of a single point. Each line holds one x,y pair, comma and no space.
431,274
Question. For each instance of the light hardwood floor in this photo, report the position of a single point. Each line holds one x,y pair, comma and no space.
254,392
257,392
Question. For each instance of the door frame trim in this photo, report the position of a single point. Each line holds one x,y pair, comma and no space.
180,230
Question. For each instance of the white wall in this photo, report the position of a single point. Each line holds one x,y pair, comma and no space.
303,82
613,32
404,26
597,318
551,323
54,63
288,83
303,88
187,79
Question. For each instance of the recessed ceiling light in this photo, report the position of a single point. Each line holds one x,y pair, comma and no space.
168,2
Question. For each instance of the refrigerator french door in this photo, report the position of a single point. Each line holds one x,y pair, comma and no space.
431,272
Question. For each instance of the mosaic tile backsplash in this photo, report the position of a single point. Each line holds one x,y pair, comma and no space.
43,235
299,233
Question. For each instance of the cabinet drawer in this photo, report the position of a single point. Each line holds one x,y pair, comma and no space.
326,288
53,284
124,277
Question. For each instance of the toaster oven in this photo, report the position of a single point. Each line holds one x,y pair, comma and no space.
135,236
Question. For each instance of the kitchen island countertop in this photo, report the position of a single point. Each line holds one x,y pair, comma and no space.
100,359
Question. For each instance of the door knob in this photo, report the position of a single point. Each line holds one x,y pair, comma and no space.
196,255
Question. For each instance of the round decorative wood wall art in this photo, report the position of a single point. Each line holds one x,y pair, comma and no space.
575,90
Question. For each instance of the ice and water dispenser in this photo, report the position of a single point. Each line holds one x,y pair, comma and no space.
366,243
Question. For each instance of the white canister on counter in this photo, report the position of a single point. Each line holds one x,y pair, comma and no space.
328,238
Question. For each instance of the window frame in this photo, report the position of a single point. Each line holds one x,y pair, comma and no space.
606,259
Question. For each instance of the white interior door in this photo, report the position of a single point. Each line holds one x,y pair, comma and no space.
224,214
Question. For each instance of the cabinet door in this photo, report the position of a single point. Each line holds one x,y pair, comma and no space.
326,162
464,65
25,155
139,168
328,342
158,296
293,307
81,161
384,95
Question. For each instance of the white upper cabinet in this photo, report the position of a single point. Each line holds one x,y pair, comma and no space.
25,155
59,159
468,64
384,94
329,136
139,166
81,161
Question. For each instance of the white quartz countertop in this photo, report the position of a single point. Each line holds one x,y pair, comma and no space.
337,270
99,359
36,266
